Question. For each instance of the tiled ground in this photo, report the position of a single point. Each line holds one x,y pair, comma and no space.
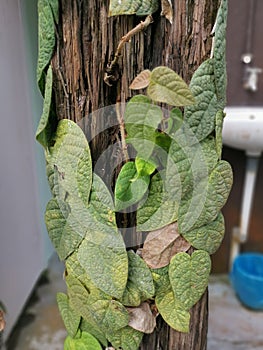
231,326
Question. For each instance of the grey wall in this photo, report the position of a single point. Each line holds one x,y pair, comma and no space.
24,247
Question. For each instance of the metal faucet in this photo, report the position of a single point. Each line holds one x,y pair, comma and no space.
251,78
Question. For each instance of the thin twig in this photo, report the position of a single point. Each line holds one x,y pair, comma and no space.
122,126
126,38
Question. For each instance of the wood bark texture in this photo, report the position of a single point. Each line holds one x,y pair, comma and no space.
86,42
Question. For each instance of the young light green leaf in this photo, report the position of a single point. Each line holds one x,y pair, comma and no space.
215,191
161,280
130,7
172,311
69,316
189,276
220,53
201,116
140,285
168,87
209,236
48,120
141,81
130,187
63,237
141,121
47,39
84,342
142,318
144,168
161,206
161,245
125,338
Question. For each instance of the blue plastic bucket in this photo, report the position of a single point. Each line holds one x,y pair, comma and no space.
247,279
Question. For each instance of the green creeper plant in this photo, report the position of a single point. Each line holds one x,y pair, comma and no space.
177,183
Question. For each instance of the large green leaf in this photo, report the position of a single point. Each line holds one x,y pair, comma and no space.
209,236
84,342
218,131
130,7
130,187
63,236
189,276
48,120
125,338
70,159
111,315
172,311
211,193
168,87
200,117
70,317
220,53
141,120
47,12
140,285
161,206
91,327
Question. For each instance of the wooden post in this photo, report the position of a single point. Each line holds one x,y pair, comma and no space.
86,42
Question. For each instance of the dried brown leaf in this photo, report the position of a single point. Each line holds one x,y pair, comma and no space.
167,10
142,318
2,321
162,244
141,81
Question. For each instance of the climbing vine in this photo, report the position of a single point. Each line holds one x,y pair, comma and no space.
177,182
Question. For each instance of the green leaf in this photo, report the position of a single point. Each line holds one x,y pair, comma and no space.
140,285
220,53
141,120
175,121
70,317
90,327
219,127
168,87
101,204
70,159
209,236
172,311
161,206
143,167
103,256
47,11
130,187
211,193
189,276
161,280
201,116
130,7
125,338
111,315
85,342
208,156
48,121
63,237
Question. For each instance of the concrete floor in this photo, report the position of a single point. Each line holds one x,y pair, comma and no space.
231,326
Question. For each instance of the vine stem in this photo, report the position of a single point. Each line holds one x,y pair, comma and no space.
122,126
126,38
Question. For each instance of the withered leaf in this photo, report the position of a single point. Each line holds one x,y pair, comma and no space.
142,318
2,321
162,244
141,81
167,10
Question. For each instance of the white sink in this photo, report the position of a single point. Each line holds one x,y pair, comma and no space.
243,129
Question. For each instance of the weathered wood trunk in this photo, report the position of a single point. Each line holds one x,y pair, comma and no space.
87,40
